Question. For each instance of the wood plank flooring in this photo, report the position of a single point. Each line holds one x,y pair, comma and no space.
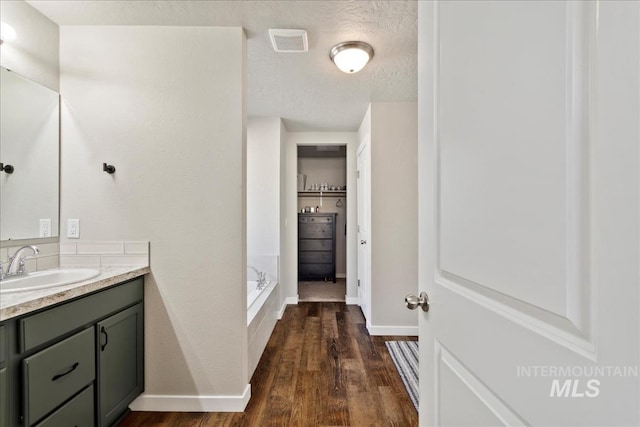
320,368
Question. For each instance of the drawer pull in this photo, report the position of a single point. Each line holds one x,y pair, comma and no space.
73,368
106,338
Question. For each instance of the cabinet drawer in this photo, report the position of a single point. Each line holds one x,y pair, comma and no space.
3,344
316,219
56,373
48,325
316,270
317,231
78,412
315,245
316,257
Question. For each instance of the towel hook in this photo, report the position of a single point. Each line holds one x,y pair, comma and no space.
108,168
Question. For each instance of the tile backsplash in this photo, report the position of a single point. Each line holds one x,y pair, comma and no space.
47,258
104,253
83,254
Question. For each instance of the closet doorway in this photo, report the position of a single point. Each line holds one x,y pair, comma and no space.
322,231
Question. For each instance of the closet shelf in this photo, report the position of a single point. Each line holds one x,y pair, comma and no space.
328,193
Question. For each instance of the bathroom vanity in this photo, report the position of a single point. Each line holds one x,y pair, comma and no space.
71,350
77,362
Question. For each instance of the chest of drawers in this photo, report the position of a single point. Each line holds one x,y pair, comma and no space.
317,246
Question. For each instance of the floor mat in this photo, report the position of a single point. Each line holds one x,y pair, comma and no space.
405,356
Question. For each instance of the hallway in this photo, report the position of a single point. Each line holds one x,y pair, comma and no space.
320,368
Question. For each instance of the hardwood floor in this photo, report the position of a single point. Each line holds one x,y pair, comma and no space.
320,368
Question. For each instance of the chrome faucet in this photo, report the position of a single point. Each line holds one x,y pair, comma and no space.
16,262
262,277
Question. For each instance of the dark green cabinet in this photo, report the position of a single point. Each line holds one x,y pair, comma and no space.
4,379
78,412
120,362
53,375
78,363
4,398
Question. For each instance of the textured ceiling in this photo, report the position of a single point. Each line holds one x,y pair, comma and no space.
305,89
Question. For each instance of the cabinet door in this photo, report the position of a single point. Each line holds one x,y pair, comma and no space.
4,398
4,385
120,363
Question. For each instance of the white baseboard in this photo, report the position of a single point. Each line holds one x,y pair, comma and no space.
287,301
341,275
410,331
169,403
351,300
281,311
292,300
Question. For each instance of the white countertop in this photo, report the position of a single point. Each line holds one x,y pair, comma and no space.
20,303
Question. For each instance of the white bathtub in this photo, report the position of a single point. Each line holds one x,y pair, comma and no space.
253,293
261,319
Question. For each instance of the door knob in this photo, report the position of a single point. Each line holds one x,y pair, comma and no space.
412,302
363,242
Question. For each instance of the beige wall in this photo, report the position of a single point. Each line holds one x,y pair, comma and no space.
34,53
160,105
263,186
330,170
394,215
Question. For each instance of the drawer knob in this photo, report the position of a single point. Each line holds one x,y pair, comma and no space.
65,373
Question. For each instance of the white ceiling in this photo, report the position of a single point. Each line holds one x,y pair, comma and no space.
305,89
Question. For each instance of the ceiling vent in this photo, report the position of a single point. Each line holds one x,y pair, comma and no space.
289,41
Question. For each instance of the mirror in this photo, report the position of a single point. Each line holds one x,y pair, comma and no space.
29,153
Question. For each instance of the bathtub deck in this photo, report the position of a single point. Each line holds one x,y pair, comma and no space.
320,367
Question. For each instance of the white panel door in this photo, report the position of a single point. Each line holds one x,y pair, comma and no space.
364,221
529,213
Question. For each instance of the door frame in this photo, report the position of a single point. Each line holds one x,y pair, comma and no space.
289,217
365,144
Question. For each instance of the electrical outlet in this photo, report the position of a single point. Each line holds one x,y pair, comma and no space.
73,228
45,227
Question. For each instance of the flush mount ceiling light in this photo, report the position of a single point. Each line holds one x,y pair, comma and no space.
351,57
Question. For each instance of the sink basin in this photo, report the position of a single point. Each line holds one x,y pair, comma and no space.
47,279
